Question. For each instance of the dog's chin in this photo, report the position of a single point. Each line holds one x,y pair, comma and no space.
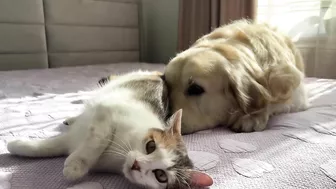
199,117
194,124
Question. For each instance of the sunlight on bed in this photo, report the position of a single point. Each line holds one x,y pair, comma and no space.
39,115
320,87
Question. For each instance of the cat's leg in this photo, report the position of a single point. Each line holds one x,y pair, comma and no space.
87,154
50,147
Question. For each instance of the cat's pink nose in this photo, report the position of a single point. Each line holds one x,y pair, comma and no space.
135,166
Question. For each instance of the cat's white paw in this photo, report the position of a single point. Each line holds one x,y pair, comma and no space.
19,147
75,168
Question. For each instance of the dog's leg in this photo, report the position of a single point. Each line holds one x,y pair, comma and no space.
250,123
298,102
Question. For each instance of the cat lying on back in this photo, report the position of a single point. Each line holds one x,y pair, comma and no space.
122,129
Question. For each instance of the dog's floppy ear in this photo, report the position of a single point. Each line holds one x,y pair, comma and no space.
282,81
250,94
253,91
246,81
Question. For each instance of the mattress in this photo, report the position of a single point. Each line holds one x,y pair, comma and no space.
298,150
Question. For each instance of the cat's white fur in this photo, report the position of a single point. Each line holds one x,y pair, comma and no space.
110,129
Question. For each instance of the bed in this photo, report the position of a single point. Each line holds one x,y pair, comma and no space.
298,150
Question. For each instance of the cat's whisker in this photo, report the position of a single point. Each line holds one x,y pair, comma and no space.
109,140
114,135
127,146
130,146
121,150
182,170
121,147
178,180
186,183
183,177
118,147
115,152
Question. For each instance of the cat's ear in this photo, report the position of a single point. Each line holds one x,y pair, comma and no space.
200,179
175,122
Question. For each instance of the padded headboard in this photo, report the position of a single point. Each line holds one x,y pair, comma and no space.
55,33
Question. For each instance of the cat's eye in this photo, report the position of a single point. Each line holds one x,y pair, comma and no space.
160,175
195,90
150,146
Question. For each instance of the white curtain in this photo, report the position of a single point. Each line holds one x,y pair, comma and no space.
312,25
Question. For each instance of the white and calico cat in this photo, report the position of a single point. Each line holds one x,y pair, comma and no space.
122,129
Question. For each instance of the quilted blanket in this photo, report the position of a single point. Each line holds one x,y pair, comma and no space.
297,150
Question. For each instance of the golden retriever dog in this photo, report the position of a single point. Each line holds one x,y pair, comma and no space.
238,76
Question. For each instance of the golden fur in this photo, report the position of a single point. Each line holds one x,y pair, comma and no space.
248,71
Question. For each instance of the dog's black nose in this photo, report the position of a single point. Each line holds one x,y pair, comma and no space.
103,81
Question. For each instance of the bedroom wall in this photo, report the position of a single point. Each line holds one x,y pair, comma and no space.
50,33
22,35
159,25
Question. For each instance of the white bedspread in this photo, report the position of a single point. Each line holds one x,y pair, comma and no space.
297,150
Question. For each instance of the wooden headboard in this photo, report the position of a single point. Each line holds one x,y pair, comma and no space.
55,33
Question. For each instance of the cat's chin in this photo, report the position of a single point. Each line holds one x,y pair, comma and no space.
130,177
129,174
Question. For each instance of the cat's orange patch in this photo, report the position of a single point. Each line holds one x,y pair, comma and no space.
163,138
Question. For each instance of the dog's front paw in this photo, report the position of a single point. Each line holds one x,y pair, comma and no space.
75,168
250,123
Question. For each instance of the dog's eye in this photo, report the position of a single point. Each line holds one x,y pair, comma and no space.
195,90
